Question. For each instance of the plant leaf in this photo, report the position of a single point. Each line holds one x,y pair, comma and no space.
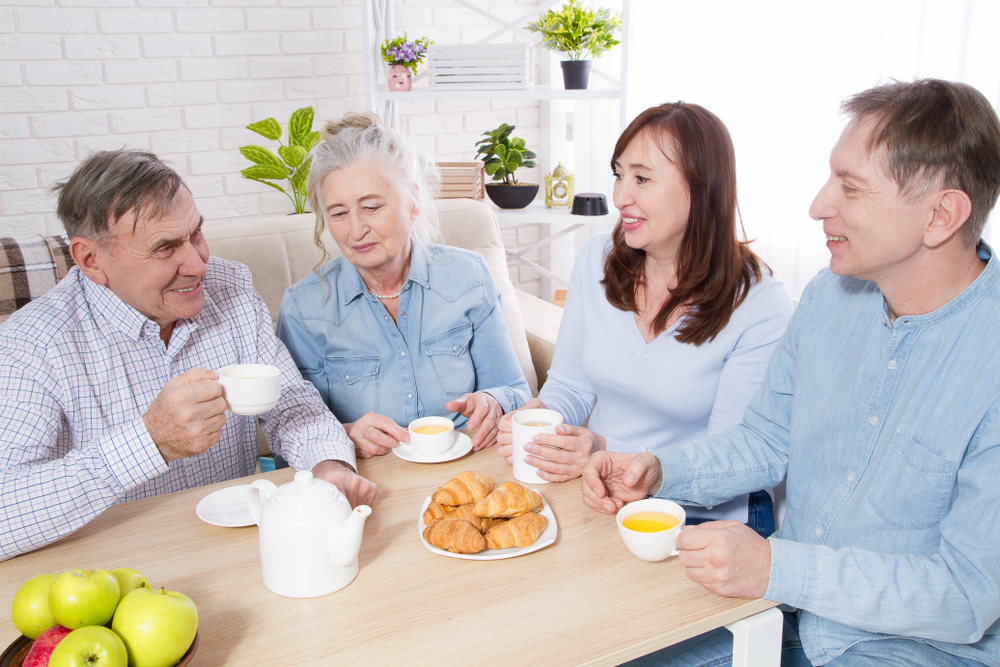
300,177
299,126
492,167
260,155
258,172
268,128
502,152
292,155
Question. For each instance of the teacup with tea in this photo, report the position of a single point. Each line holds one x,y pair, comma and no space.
431,436
524,426
250,389
650,527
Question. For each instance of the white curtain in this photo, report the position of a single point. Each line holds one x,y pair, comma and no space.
776,72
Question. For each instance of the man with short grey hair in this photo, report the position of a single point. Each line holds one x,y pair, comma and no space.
880,409
108,391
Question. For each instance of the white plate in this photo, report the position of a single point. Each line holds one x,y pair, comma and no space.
458,449
547,537
226,507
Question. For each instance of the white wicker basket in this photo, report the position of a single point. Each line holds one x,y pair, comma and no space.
480,67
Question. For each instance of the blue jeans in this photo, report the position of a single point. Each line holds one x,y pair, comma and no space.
760,515
715,649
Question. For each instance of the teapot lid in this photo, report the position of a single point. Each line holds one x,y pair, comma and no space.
307,491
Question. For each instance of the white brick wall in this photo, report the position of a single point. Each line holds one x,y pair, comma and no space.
183,78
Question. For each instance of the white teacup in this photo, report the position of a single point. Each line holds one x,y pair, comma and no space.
651,546
250,389
427,436
524,426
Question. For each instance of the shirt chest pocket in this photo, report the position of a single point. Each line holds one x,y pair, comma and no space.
451,359
914,486
353,384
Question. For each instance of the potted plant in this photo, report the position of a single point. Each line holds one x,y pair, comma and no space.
293,160
502,155
578,33
403,56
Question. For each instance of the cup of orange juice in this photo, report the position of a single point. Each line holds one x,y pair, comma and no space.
650,527
432,435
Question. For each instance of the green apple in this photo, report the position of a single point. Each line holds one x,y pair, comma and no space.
129,579
84,597
157,626
30,608
90,646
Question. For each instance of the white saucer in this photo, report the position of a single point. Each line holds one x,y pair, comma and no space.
547,537
226,507
461,447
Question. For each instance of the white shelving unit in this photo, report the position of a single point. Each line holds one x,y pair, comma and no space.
558,221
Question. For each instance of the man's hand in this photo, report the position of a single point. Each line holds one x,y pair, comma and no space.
727,558
505,449
483,412
358,490
562,457
375,434
187,416
611,479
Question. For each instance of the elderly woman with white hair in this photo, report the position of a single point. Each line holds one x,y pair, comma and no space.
396,328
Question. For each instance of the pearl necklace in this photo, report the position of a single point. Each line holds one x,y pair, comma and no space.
383,297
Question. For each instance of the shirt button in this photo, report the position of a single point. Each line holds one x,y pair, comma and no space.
819,532
347,377
402,354
850,479
874,421
892,363
409,395
453,348
386,317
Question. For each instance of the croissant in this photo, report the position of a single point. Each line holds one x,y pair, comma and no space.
436,511
467,487
464,512
508,500
455,535
521,531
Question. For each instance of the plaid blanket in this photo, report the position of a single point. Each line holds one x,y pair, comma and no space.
30,267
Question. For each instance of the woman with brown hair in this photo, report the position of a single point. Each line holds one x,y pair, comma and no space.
670,319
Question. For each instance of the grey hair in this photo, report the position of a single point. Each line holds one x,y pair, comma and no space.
358,138
108,185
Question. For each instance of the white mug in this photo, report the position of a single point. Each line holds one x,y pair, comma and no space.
521,434
431,444
250,389
657,545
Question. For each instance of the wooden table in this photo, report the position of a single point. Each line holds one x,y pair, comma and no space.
585,600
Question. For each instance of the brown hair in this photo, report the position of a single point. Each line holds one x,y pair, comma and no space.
109,184
714,269
933,134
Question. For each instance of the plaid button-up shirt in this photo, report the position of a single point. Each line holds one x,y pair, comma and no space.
79,368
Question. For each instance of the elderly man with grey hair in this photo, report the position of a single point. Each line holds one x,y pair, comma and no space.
107,387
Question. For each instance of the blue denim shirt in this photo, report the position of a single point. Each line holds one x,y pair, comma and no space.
450,338
890,436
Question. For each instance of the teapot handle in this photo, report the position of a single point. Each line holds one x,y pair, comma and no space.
261,486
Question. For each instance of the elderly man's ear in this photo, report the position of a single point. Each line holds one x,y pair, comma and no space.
950,209
90,258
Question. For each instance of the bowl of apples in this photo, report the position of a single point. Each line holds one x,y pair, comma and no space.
101,618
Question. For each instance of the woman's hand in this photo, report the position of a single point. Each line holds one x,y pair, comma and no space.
504,447
562,456
375,434
612,479
483,412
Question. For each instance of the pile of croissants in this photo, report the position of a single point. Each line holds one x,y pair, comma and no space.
468,515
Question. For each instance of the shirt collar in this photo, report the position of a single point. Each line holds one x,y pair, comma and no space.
352,286
986,282
119,316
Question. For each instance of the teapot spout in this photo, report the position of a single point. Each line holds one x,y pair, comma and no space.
344,541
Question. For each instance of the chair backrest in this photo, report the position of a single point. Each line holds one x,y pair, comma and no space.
280,251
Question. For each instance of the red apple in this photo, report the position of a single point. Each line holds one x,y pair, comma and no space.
40,651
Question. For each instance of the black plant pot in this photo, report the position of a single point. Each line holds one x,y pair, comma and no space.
512,196
576,74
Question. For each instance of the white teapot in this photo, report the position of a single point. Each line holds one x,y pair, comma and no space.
309,536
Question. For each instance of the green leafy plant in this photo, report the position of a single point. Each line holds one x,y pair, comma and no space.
503,154
400,51
292,161
576,31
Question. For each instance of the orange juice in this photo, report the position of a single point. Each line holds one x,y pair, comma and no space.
431,429
650,522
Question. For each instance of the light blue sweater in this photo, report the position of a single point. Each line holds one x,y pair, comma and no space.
664,393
